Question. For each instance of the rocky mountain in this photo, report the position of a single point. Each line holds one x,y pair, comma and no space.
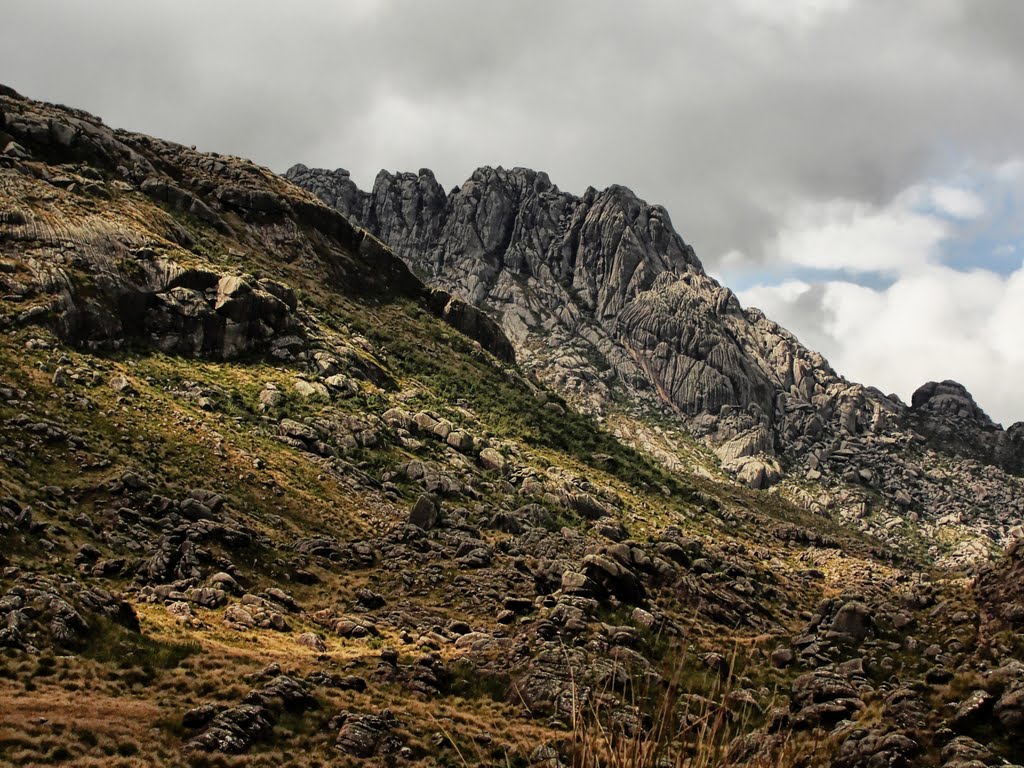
604,300
438,480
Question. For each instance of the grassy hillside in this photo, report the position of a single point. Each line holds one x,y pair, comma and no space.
262,503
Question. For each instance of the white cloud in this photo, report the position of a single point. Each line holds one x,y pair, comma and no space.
935,324
1011,170
858,237
957,202
936,318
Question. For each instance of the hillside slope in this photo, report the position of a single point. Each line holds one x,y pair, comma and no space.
605,302
267,499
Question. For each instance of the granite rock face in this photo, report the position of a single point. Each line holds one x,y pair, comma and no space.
596,292
601,298
948,398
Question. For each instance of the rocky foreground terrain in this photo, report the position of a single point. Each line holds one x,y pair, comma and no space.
294,474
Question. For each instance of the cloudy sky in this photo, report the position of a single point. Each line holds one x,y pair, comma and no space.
853,167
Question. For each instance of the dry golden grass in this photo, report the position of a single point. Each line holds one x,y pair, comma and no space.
85,712
89,713
52,721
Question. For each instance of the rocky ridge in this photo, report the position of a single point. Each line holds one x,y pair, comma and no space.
266,499
605,301
134,289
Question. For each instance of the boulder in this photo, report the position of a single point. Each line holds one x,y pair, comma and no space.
1009,710
948,398
462,442
365,735
233,730
615,578
312,641
823,697
425,513
854,620
492,460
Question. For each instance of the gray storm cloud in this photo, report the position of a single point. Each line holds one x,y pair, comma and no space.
721,111
728,112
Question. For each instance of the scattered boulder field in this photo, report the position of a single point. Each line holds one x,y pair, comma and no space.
296,474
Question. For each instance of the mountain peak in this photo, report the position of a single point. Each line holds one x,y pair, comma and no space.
948,398
604,300
513,217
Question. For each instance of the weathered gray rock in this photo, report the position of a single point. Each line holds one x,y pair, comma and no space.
755,473
309,389
782,657
209,597
425,513
1009,710
598,293
235,729
312,641
461,441
365,735
948,398
231,731
853,620
823,697
492,459
965,752
615,578
877,747
972,711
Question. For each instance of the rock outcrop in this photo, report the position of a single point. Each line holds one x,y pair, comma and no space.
103,284
602,299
